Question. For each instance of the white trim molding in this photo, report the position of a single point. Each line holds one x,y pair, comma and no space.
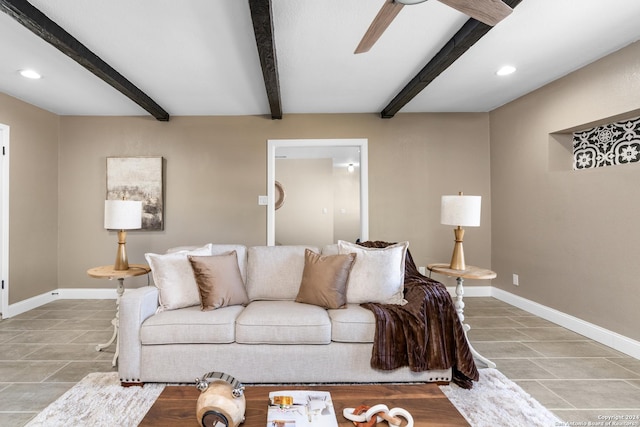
603,336
58,294
471,291
361,143
29,304
4,219
84,293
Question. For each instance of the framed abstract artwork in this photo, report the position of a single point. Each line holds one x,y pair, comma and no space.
138,178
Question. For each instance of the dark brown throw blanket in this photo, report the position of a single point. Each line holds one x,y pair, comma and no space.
423,334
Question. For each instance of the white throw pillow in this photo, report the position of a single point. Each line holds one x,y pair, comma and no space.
220,249
173,276
377,275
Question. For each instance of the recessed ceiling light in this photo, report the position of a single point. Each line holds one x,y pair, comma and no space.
506,70
30,74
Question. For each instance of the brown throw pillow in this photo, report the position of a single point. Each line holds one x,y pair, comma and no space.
219,280
324,279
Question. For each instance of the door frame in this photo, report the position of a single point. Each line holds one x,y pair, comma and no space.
4,219
361,143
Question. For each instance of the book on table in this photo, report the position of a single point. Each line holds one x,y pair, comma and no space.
301,408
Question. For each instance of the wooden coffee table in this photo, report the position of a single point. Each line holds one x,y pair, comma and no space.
176,405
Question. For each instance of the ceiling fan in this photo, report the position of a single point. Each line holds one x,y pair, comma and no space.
488,11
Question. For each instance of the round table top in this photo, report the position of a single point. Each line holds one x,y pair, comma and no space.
108,272
471,272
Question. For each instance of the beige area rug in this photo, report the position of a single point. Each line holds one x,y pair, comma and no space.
495,400
99,400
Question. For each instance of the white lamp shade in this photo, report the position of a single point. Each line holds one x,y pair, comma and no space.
122,214
460,210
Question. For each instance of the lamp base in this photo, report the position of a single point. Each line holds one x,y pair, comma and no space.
122,263
457,259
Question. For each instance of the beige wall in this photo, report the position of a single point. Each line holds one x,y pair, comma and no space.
322,203
33,198
572,236
346,204
216,168
308,185
569,235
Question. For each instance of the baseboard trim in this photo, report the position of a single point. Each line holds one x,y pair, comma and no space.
604,336
63,293
29,304
85,293
472,291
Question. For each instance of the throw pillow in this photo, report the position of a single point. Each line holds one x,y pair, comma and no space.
274,272
324,279
378,273
173,276
219,280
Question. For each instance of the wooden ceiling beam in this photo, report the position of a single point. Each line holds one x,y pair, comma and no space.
38,23
262,17
463,40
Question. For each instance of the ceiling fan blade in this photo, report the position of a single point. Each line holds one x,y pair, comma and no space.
380,23
488,11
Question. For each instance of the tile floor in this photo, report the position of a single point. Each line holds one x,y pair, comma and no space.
44,352
580,380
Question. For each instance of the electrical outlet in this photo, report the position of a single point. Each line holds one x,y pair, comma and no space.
422,270
263,200
515,280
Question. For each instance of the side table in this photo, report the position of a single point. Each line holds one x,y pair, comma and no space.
108,272
470,272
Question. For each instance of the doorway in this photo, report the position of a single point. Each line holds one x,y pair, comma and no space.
4,220
322,191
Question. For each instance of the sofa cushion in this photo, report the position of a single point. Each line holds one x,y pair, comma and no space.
275,272
353,324
219,281
324,279
191,326
173,276
378,273
283,322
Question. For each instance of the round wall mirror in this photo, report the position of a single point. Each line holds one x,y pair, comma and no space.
280,195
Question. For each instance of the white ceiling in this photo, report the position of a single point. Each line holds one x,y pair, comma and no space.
199,57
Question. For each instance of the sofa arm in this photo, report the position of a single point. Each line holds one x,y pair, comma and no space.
136,305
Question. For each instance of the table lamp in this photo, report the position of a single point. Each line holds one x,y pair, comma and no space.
461,211
122,215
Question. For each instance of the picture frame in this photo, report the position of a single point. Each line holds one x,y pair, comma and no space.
139,178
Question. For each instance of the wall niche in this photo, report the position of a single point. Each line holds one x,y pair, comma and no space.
607,145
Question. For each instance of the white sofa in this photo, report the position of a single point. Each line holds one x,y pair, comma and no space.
273,339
